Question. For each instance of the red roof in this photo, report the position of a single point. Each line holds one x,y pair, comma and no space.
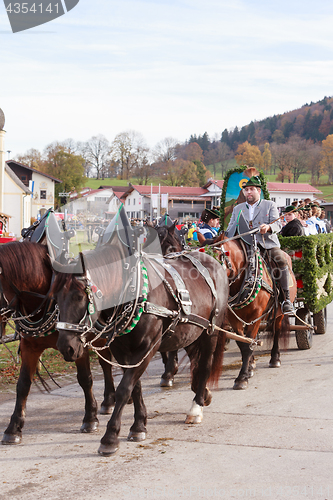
292,186
280,186
171,190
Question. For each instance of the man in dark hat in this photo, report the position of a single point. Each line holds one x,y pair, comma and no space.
209,218
263,214
294,226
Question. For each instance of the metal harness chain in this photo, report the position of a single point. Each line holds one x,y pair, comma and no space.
111,325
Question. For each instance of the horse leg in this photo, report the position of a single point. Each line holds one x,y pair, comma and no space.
248,361
200,375
252,365
275,361
110,441
170,361
138,431
109,390
31,351
84,378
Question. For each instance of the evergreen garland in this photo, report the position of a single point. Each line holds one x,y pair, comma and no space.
316,264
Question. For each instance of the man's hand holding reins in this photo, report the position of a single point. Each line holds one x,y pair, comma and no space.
265,228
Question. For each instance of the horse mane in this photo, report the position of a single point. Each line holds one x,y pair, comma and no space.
22,262
96,262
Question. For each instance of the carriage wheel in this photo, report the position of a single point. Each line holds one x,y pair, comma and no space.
303,337
320,321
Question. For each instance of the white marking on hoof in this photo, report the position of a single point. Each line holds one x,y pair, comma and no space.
195,415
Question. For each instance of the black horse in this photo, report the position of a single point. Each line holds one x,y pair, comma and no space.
162,325
25,281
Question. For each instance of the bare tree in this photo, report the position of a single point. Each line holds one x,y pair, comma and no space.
126,149
165,150
143,168
96,152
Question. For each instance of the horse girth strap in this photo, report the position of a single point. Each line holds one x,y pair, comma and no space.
194,319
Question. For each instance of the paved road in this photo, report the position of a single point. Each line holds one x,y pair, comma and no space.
274,440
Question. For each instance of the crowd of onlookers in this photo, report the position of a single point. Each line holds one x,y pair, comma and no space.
305,218
302,217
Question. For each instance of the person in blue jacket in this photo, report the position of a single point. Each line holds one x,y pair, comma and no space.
209,218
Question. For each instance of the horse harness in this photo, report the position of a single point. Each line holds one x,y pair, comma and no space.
26,326
126,316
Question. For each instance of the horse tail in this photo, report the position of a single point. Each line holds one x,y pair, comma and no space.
280,326
217,363
285,332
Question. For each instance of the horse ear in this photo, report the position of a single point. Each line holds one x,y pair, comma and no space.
82,263
172,228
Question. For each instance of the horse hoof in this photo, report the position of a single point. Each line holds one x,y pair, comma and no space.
11,439
275,364
136,436
106,410
108,450
193,419
166,382
88,427
240,385
195,415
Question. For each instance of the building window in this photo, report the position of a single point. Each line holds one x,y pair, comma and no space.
42,194
273,199
134,201
295,199
128,201
287,201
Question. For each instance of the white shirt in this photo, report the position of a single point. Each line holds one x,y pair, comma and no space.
251,208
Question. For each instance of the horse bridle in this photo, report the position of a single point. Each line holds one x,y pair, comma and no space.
86,324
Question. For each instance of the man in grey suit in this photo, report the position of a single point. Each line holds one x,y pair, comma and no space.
262,214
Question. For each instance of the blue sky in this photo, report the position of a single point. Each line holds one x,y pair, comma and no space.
166,68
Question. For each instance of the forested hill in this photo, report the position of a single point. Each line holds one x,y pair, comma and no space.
312,121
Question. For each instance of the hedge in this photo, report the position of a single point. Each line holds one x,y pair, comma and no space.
315,268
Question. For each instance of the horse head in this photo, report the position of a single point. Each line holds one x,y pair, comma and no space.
171,238
83,289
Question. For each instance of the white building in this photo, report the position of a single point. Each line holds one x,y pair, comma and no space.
97,202
42,187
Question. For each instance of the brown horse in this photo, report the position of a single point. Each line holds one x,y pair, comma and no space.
157,328
25,280
246,320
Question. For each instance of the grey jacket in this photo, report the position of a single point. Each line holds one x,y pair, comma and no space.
264,213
